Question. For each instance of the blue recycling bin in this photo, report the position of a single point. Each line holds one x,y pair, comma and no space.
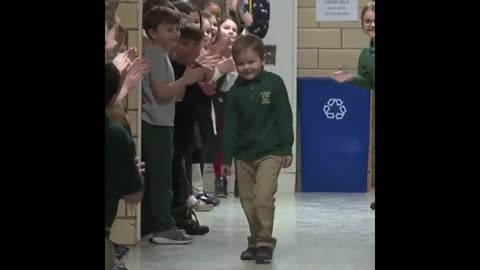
335,126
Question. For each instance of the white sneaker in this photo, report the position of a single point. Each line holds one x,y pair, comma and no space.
201,206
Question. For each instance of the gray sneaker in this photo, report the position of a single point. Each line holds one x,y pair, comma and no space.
171,237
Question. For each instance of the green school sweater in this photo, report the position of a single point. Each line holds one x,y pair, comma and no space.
366,69
258,119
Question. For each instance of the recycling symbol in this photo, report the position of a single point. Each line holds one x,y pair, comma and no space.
334,109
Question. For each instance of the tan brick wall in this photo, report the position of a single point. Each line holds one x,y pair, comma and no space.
324,47
125,225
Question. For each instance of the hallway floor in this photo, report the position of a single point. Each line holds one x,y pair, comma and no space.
315,231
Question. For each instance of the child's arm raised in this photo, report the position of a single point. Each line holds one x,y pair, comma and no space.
162,90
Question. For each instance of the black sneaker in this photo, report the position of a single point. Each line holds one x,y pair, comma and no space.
372,206
193,227
120,251
183,219
249,255
264,255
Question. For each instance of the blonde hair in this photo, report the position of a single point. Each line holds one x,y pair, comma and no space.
367,7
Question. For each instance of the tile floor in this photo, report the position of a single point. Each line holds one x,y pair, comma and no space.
315,231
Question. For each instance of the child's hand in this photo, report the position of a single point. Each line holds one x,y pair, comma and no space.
136,73
226,66
193,75
132,54
225,170
342,76
122,63
287,161
209,62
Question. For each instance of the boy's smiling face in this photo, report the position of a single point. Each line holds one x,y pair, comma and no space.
249,64
166,35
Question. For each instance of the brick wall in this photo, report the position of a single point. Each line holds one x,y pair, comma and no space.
324,47
125,226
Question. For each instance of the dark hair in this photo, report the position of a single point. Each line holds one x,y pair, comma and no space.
189,31
248,42
112,82
160,15
187,8
149,4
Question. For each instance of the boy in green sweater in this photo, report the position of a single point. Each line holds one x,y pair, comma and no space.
258,133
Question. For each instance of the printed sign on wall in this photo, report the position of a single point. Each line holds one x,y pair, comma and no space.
337,10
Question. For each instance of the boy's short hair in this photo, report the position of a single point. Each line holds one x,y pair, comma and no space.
160,15
248,42
112,82
189,31
149,4
185,7
111,7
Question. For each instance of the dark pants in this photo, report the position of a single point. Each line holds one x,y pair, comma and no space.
157,151
182,164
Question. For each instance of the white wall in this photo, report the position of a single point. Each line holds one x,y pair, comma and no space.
283,33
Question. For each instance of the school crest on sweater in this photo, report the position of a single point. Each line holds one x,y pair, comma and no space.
265,97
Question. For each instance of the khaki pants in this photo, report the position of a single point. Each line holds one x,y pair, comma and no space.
257,184
109,254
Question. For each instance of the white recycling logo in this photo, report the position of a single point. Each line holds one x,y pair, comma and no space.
334,109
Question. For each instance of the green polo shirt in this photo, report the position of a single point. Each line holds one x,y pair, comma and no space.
121,172
258,119
366,69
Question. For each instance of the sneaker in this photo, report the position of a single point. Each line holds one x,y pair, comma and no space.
249,254
193,227
120,251
208,199
201,206
264,255
171,237
145,236
119,267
